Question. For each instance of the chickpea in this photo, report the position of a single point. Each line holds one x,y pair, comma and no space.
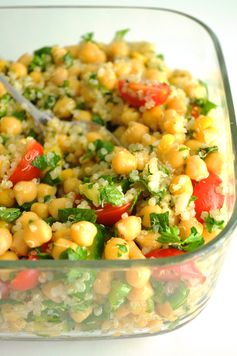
3,90
134,133
7,197
59,76
5,224
116,249
186,225
137,66
5,240
194,146
25,59
40,209
181,184
18,244
36,233
149,140
145,214
129,228
79,316
215,162
90,53
74,86
102,284
138,277
195,90
44,190
140,294
148,240
83,233
26,217
64,107
129,114
118,49
124,162
180,78
165,310
73,50
25,192
154,118
18,69
71,185
59,203
134,251
166,143
9,256
196,168
107,77
176,156
142,158
36,76
64,233
61,245
58,53
10,125
54,291
177,104
152,74
205,130
83,115
173,122
208,236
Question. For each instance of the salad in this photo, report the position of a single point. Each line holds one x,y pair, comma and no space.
75,194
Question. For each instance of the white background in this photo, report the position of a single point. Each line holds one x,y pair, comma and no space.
213,332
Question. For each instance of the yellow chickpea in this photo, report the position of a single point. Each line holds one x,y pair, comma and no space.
5,240
129,114
26,217
148,240
205,130
83,233
58,53
176,156
82,115
10,125
59,76
208,236
3,90
180,78
181,184
134,133
186,225
138,277
5,224
145,214
64,233
7,198
79,316
173,122
74,86
154,118
118,49
36,76
25,59
142,158
18,69
9,256
25,192
177,104
129,228
36,233
116,249
90,53
61,245
140,294
44,190
64,107
102,284
152,74
107,77
134,251
40,209
194,146
196,168
124,162
59,203
73,50
71,185
18,244
215,162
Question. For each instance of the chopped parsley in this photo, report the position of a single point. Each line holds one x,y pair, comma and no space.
98,120
122,249
111,194
88,37
204,151
80,253
48,160
47,178
68,59
204,105
76,214
20,115
9,214
160,56
100,149
42,58
119,35
4,101
213,224
118,294
50,101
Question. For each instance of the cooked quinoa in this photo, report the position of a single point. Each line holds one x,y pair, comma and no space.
75,193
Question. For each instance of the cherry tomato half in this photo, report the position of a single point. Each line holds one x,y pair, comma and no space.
24,170
25,280
138,94
109,214
187,271
208,194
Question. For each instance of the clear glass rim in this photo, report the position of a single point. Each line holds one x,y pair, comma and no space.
124,264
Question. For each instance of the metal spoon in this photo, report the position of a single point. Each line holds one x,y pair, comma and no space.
42,118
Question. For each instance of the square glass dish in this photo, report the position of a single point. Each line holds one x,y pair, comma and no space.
72,299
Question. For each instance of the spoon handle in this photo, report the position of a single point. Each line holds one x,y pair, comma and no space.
38,116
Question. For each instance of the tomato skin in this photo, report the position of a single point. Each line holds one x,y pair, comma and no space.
110,214
138,94
208,196
25,280
24,170
187,270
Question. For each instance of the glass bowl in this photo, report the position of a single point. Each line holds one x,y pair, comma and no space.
93,299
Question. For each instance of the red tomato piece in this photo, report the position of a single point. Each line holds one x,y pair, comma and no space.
187,271
138,94
208,193
25,280
109,214
24,170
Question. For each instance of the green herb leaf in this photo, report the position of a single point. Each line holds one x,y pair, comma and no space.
122,249
119,35
50,220
111,195
119,292
103,148
179,296
192,198
9,214
81,253
204,104
49,160
32,133
27,206
97,248
50,101
88,37
204,151
193,241
21,115
68,60
76,214
135,200
33,94
160,223
43,50
213,224
49,180
42,58
160,56
98,120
